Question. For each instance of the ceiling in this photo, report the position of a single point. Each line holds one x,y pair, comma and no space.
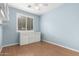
32,7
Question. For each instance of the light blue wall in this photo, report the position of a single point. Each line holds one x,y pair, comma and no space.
10,36
62,26
0,35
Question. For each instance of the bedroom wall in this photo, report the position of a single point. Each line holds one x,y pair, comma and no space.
0,35
10,35
61,25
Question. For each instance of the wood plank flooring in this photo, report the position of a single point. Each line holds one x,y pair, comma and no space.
37,49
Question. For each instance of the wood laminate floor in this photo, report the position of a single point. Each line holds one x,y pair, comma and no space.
37,49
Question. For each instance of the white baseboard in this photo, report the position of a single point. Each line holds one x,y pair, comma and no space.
10,45
61,45
47,42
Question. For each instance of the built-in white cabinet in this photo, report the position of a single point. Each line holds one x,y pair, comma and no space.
29,37
24,25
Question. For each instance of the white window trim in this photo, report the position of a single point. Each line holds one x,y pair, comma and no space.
19,14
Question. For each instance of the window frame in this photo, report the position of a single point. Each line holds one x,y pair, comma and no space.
18,15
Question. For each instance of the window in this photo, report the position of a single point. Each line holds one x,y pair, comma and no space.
24,23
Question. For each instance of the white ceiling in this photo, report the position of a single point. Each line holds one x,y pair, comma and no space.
24,6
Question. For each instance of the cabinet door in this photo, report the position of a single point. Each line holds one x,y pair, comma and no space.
37,36
34,37
31,37
23,39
